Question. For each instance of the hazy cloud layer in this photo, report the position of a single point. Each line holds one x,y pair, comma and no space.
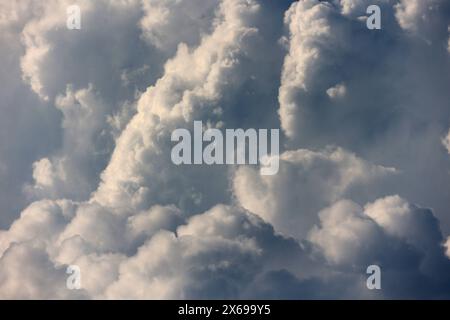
86,177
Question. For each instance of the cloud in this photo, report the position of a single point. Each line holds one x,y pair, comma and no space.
416,226
166,24
414,15
41,221
217,254
29,128
147,223
87,150
193,86
446,142
181,266
346,236
447,245
337,91
27,273
303,55
403,239
86,143
40,52
389,114
307,182
448,43
55,56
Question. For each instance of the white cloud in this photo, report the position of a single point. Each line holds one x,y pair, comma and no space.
446,142
337,91
307,182
448,42
413,14
100,228
26,272
43,173
55,56
309,29
167,23
194,83
147,223
42,221
98,271
447,247
415,225
145,228
403,239
346,235
188,265
72,172
215,255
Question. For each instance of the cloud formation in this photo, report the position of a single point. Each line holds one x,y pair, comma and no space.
86,177
307,182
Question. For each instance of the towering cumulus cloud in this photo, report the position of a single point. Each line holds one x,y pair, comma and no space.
86,177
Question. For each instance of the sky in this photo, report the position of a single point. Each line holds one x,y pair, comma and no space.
86,177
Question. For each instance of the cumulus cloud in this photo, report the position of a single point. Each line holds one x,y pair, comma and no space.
72,172
337,91
346,235
40,52
28,127
166,24
307,182
412,15
192,264
403,239
55,56
447,245
389,114
41,221
446,142
448,43
363,114
28,273
194,84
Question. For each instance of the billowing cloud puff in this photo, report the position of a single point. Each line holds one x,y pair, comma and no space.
307,182
41,221
447,246
193,86
55,56
346,236
85,166
448,43
413,15
209,257
28,273
72,172
446,142
337,91
321,54
351,234
403,239
166,24
389,114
